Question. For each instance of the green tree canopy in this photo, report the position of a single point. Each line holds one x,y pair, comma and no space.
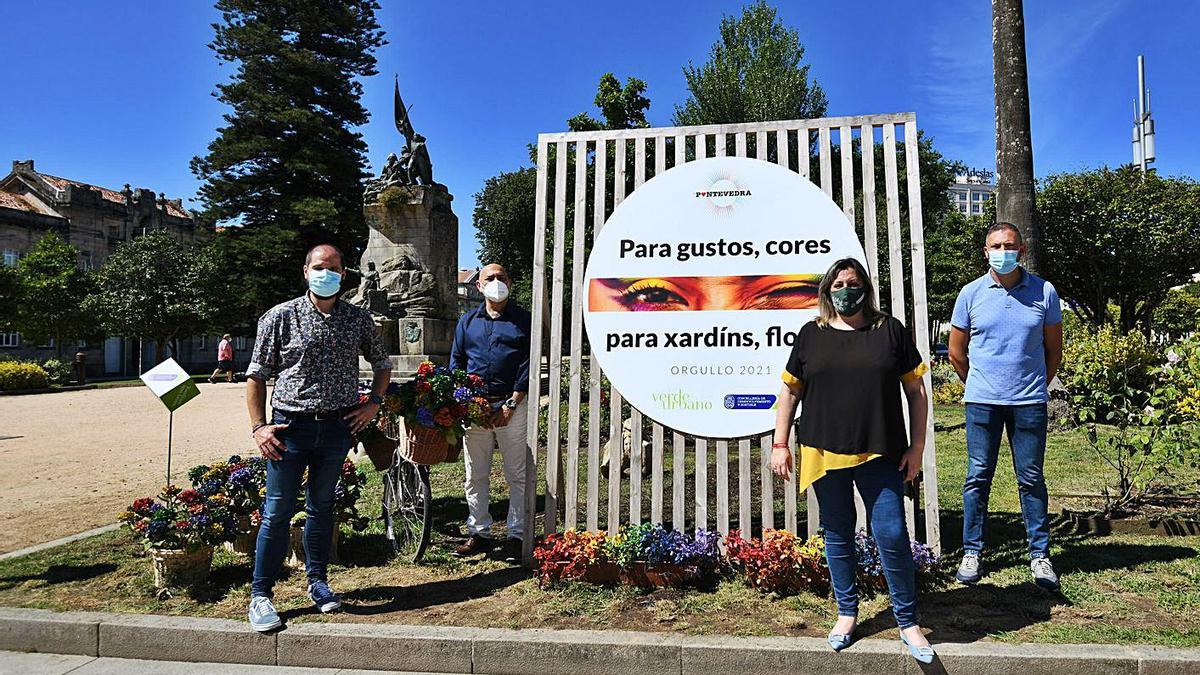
288,155
255,269
621,107
50,293
155,287
754,73
1179,313
1119,236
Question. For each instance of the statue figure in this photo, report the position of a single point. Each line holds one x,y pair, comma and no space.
413,167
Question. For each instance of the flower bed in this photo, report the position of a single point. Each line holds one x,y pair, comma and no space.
640,555
649,555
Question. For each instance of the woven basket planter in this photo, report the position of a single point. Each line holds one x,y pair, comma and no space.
180,569
423,445
246,539
381,450
296,556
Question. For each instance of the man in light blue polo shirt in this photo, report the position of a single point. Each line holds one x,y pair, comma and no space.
1012,321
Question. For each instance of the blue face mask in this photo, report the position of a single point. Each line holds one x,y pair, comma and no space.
324,283
1002,261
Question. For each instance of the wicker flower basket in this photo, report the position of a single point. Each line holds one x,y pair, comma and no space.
178,568
296,556
381,450
423,445
246,539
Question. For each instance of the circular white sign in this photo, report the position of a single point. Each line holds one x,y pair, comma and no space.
698,283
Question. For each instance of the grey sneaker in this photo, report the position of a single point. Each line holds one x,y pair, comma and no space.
263,616
1043,574
968,571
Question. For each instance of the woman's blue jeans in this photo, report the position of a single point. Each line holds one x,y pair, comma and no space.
320,447
882,489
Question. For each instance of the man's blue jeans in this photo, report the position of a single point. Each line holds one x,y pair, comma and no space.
882,489
1026,426
320,447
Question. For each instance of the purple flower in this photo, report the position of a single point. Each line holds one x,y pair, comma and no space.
210,487
242,478
424,417
157,530
462,394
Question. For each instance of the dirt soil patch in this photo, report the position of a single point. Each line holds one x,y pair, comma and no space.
76,459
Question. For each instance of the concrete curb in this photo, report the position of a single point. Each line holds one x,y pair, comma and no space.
552,652
59,542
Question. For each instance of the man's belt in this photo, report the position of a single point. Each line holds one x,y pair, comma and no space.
323,416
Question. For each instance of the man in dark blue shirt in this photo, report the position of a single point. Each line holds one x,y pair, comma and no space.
492,341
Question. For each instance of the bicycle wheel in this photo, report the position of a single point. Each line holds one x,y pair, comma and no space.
406,508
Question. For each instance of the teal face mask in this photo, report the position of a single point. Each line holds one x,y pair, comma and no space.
848,300
324,283
1002,261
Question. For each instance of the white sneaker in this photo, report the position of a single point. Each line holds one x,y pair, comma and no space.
1043,574
968,571
262,614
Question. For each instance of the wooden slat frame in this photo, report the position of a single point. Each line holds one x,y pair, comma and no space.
571,492
553,286
553,433
599,200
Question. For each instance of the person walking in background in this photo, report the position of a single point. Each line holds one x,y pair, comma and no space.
492,341
310,345
224,359
849,366
1012,322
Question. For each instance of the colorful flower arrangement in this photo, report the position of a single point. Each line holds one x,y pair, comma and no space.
779,562
181,519
241,480
440,398
571,554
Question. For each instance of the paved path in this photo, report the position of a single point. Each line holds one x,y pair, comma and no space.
20,663
74,460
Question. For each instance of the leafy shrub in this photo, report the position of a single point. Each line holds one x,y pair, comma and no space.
1180,376
1100,364
22,375
947,388
58,371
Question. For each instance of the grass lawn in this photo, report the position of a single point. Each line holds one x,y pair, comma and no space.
1119,588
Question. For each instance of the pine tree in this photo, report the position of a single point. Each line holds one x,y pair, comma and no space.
753,74
288,155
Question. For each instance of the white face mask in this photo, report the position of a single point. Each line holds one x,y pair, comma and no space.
495,290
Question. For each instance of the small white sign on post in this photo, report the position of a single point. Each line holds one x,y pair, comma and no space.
174,387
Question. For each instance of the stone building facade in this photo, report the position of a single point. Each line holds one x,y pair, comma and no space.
95,220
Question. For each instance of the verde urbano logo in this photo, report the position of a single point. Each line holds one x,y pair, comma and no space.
680,400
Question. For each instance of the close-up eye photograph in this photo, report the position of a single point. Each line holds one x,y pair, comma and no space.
667,294
684,337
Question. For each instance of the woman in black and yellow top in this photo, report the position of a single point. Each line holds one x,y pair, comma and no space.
847,367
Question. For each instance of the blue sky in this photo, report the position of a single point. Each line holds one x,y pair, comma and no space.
117,92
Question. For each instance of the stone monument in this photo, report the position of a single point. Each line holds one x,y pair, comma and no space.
409,268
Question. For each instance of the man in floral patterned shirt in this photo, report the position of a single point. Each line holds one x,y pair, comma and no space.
310,345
